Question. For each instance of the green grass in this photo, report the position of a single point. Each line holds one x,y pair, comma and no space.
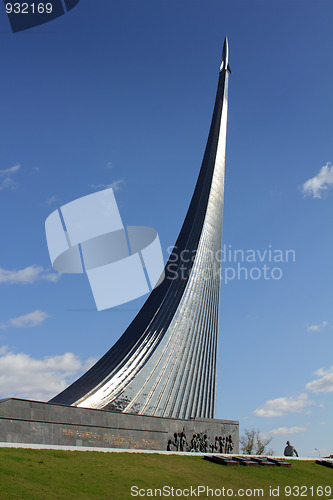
42,474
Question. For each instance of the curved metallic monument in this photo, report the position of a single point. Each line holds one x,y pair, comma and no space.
164,364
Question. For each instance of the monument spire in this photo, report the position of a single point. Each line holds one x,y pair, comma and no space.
165,362
225,56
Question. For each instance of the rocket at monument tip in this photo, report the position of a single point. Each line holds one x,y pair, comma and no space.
225,56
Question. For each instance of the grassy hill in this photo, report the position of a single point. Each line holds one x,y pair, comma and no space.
42,474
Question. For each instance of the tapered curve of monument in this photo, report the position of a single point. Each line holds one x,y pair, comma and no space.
165,362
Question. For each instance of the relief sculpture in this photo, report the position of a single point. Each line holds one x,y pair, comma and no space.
201,443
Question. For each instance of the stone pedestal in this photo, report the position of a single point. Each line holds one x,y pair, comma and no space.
24,421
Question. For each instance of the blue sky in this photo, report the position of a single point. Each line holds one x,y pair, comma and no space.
120,93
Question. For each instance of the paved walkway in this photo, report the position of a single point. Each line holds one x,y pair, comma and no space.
123,450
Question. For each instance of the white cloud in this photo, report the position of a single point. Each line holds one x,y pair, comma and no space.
34,318
320,183
313,328
115,185
281,406
49,201
9,171
6,177
28,275
324,383
25,377
109,164
320,372
316,328
286,431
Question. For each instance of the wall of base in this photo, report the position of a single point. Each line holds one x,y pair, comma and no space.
24,421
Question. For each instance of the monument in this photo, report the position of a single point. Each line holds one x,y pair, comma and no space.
165,362
162,370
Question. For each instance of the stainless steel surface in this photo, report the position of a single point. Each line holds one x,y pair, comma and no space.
165,363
